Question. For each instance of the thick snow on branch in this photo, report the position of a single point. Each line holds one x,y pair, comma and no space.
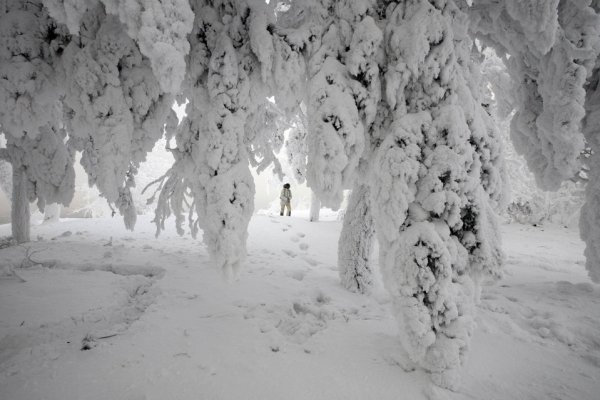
296,148
117,109
159,27
552,46
230,60
265,137
47,164
434,177
335,98
30,84
31,87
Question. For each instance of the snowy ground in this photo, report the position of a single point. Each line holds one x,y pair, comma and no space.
118,315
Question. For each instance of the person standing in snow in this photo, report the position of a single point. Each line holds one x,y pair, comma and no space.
286,198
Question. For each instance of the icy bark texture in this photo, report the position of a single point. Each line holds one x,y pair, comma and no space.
435,174
315,207
553,46
20,214
356,242
159,27
116,108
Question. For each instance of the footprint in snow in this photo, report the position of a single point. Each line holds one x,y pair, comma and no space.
300,234
303,246
297,275
310,261
295,239
290,253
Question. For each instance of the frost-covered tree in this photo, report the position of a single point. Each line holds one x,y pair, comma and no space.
31,85
553,46
435,173
362,59
335,138
296,149
265,129
528,203
341,43
42,171
552,49
231,60
116,108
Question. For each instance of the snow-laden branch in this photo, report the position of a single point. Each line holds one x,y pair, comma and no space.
433,177
159,28
552,46
116,108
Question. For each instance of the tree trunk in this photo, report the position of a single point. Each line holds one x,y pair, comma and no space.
315,207
20,215
356,242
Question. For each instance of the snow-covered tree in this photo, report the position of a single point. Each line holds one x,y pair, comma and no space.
528,203
31,85
552,49
362,59
335,137
395,111
229,66
116,108
553,46
434,176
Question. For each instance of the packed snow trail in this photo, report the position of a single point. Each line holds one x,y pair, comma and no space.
164,324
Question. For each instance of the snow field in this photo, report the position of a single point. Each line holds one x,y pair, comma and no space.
164,324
